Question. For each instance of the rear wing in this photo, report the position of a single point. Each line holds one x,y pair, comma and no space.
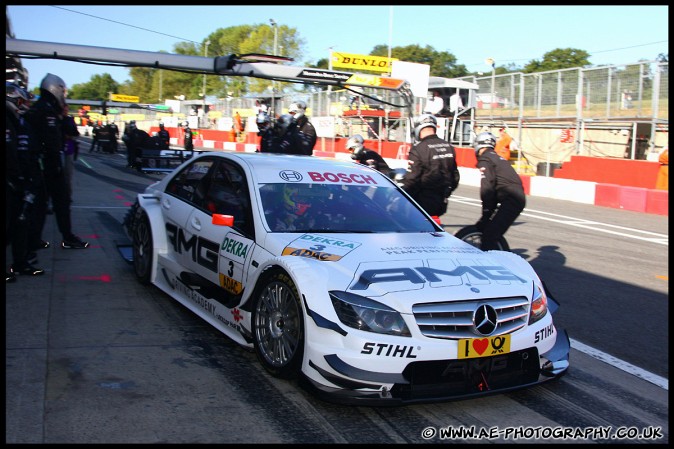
252,65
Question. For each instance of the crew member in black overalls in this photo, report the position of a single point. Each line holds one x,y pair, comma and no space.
501,191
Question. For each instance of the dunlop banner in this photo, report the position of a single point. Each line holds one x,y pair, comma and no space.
361,62
124,98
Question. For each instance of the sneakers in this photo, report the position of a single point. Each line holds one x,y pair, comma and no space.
10,277
43,244
27,270
74,242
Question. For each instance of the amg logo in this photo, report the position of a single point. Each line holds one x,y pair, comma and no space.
420,275
388,350
203,251
467,367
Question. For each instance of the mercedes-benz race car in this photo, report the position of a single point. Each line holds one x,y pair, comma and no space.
336,277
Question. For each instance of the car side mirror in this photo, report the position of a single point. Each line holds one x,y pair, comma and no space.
223,220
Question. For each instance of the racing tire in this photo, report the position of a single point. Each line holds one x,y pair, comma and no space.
470,234
278,325
143,247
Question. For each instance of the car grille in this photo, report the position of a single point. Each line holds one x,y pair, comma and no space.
454,320
459,378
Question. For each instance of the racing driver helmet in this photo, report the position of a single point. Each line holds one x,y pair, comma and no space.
424,121
484,140
294,200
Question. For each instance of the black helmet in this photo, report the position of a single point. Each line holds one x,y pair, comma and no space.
283,123
18,98
424,121
484,140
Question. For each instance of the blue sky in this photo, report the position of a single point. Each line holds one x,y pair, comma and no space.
508,34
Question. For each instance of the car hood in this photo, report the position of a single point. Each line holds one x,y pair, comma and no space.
401,269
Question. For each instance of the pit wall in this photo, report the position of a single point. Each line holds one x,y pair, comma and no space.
609,182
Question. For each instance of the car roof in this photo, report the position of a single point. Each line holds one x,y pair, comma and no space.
269,168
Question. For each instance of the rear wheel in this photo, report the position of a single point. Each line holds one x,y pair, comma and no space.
278,325
471,234
143,248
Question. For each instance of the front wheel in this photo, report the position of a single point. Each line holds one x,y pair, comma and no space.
278,325
470,234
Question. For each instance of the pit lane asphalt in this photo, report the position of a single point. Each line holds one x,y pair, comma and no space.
92,356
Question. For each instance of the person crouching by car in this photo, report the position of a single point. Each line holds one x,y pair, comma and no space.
356,146
501,191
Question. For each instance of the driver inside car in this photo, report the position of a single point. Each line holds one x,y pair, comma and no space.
292,209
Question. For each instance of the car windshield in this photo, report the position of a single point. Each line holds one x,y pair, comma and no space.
295,207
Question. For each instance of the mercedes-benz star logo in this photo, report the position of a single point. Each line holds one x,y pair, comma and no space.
485,319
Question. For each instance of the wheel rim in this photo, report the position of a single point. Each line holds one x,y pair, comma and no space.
474,239
277,324
142,249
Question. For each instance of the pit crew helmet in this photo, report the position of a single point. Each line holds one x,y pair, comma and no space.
294,201
484,140
263,121
297,109
355,145
55,86
17,98
283,123
424,121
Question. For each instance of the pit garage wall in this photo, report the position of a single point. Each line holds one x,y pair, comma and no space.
610,182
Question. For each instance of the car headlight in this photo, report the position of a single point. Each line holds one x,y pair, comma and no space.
365,314
539,305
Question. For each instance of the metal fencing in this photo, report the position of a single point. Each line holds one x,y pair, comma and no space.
619,111
629,91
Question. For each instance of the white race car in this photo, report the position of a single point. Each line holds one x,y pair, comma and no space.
336,277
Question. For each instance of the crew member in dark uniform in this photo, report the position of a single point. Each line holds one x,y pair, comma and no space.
304,132
501,191
432,173
46,119
356,146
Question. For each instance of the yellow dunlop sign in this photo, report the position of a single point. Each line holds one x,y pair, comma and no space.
362,62
124,98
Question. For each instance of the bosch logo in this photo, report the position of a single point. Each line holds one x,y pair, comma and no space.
485,319
290,176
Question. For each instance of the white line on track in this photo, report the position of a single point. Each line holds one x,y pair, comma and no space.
621,364
607,228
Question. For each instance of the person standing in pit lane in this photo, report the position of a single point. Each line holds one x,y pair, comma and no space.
304,133
46,119
432,173
22,174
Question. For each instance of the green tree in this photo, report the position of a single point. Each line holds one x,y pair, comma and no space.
98,88
441,63
557,59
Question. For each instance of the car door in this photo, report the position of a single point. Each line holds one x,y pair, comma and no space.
223,252
183,195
